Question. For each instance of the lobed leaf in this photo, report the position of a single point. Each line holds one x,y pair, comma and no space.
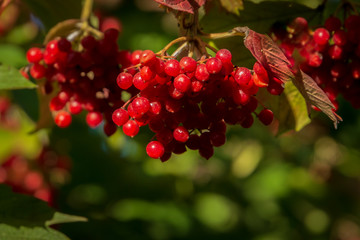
182,5
11,78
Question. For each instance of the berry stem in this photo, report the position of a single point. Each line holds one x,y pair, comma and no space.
170,44
86,10
238,31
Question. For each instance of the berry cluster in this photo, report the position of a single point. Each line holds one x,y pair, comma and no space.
330,54
39,177
85,75
188,103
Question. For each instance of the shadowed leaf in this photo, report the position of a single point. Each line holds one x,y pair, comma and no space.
232,6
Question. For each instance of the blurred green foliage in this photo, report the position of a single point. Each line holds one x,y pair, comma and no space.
300,185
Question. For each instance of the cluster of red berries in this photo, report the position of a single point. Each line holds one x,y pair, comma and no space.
330,54
85,77
39,177
188,103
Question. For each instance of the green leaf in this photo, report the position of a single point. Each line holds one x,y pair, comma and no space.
12,55
54,11
64,218
20,210
11,78
298,106
232,6
290,109
24,233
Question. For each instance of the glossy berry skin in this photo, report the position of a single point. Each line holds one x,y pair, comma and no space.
172,67
155,149
75,107
188,64
213,65
242,76
140,105
93,119
266,116
34,55
321,36
224,55
120,116
182,83
37,71
181,134
63,119
124,80
202,73
148,58
131,128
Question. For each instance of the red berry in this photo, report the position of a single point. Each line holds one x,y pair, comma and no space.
242,76
120,116
224,55
332,24
34,55
148,58
181,134
339,37
75,107
131,128
213,65
321,36
139,82
188,64
201,73
155,149
182,83
172,67
93,119
140,106
64,45
37,71
135,57
266,116
217,139
63,119
124,80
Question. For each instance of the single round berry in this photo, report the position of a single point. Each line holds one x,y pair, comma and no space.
93,119
120,116
181,134
63,119
321,36
148,58
213,65
172,67
34,55
124,80
224,55
182,83
131,128
75,107
37,71
140,106
139,82
155,149
188,64
242,76
266,116
64,45
332,23
147,73
202,73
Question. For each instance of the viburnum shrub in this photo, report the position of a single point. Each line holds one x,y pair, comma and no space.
85,75
330,54
187,98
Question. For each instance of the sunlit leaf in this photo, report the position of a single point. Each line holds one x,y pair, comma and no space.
315,95
11,78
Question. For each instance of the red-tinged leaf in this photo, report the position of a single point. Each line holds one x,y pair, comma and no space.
182,5
232,6
314,95
267,52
